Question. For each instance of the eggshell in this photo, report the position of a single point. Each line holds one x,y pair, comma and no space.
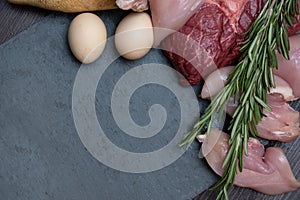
87,37
134,36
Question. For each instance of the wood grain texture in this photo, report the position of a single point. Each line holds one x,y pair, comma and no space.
14,19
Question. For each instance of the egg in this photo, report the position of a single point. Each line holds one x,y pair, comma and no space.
87,37
134,36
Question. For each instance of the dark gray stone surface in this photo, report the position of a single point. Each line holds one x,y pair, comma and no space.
41,155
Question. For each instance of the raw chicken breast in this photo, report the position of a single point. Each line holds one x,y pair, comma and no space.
289,70
171,14
267,172
217,79
281,124
283,88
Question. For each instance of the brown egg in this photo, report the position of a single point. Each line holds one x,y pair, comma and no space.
87,37
134,36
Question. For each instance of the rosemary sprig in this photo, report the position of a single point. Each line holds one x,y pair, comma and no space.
252,78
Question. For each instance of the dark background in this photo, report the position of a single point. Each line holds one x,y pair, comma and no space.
14,19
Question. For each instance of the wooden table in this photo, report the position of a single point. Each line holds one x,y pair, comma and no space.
14,19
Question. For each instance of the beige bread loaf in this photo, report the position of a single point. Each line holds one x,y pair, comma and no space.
69,5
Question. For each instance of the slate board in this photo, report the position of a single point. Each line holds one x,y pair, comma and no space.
41,154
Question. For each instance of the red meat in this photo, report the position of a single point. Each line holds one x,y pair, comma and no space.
212,35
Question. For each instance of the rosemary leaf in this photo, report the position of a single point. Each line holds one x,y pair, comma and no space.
249,84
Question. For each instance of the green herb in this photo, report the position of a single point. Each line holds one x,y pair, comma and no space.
252,78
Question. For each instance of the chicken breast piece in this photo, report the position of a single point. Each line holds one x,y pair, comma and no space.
267,171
